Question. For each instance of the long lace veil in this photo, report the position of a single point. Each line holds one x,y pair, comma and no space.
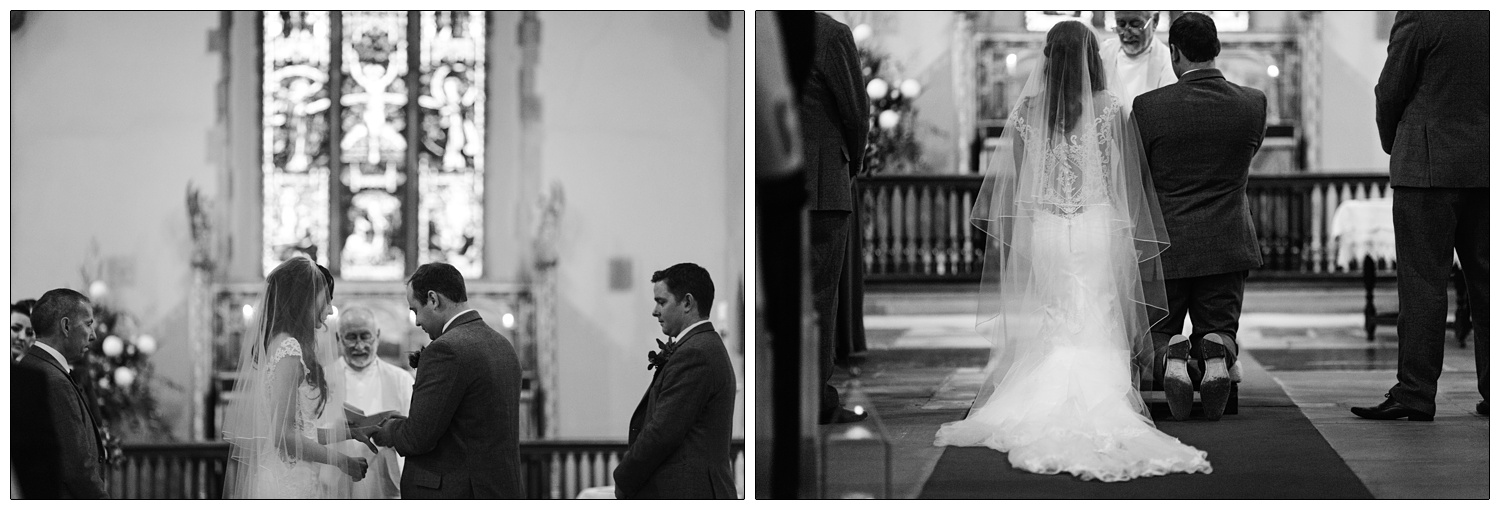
263,424
1070,151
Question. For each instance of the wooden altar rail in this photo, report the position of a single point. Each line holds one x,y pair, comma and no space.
560,469
915,228
551,469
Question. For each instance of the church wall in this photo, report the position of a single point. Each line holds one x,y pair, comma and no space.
112,116
1353,55
635,109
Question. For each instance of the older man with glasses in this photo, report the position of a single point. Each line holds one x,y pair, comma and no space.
373,387
1136,61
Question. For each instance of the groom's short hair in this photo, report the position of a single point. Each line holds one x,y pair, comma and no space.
688,278
1194,34
53,306
441,277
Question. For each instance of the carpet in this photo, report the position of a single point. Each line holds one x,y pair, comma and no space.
1268,451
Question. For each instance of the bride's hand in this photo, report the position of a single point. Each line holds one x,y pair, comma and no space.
353,466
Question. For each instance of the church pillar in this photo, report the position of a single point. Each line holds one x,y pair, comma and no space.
544,218
1310,46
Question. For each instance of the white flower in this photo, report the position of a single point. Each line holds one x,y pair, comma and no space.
113,346
889,119
98,289
862,32
124,376
146,344
910,88
877,88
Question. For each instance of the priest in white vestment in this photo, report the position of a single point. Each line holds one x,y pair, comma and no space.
1136,61
372,386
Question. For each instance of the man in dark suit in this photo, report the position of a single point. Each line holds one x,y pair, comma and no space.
462,440
1432,105
835,114
680,433
32,438
64,322
1199,136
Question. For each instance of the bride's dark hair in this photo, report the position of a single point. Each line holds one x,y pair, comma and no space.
292,311
1068,42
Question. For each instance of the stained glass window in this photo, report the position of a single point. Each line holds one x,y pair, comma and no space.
340,147
452,152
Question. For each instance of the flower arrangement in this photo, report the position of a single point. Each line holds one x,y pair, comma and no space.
892,146
118,375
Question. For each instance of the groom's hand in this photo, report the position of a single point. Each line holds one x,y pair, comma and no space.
382,435
362,434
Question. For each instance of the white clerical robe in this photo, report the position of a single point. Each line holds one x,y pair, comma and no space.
1129,77
378,388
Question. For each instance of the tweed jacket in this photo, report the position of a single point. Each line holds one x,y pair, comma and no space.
462,440
1432,103
80,450
835,114
680,433
1199,136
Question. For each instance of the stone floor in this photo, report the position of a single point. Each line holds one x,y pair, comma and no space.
925,360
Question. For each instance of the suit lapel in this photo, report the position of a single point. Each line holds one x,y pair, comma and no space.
648,401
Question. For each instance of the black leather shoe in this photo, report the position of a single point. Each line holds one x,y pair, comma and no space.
1483,408
842,416
1390,410
1216,381
1177,383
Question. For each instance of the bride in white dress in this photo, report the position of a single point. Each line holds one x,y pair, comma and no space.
1072,282
286,410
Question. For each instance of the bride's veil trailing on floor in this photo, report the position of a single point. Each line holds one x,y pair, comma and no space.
1072,152
263,415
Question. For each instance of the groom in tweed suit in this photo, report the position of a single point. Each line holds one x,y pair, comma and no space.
679,435
462,440
1199,136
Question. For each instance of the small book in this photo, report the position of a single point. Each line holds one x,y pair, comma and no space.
357,418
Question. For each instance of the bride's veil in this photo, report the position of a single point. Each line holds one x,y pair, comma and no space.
1070,150
261,416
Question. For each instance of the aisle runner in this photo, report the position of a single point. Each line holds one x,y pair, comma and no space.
1268,451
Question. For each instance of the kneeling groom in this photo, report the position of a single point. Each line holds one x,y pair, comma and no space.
680,433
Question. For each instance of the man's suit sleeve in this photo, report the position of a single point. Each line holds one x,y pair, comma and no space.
80,456
681,396
435,398
841,66
1398,80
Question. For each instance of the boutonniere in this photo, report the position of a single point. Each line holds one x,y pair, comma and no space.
658,360
414,356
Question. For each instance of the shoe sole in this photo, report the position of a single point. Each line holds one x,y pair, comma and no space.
1215,389
1179,389
1216,378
